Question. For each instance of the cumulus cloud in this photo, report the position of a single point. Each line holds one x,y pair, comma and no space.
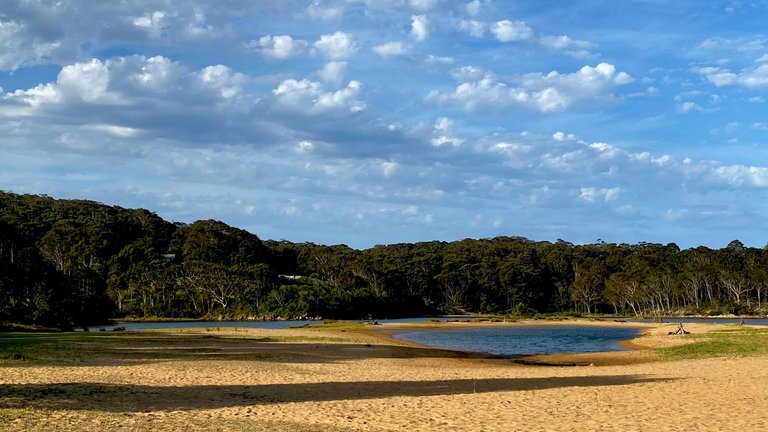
739,44
19,48
469,73
689,106
439,60
423,5
325,12
311,97
572,47
389,168
278,47
511,31
305,146
473,27
311,144
223,80
96,105
152,23
473,7
391,49
755,78
333,72
419,27
37,32
599,195
337,46
545,93
444,134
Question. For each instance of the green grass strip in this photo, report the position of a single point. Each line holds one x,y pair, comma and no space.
739,342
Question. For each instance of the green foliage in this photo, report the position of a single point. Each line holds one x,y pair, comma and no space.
69,263
725,343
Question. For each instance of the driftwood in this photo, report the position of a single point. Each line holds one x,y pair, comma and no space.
680,330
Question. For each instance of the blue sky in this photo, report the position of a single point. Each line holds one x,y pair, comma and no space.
372,122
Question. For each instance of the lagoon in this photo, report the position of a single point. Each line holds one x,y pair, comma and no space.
525,340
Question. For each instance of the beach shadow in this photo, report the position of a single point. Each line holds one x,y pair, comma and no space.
140,398
140,348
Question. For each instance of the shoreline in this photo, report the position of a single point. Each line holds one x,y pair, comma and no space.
641,349
386,333
360,379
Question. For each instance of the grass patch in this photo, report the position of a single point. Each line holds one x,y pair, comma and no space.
739,342
127,347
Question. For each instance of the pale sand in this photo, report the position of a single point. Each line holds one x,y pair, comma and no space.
370,384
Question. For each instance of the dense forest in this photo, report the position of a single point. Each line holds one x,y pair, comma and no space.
68,263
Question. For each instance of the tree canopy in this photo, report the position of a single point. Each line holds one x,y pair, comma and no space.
69,263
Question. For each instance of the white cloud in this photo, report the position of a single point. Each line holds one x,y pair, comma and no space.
689,106
756,78
391,49
762,59
444,135
564,42
419,27
93,105
562,136
423,5
438,60
223,80
545,93
86,80
152,23
305,147
278,47
474,28
760,126
572,47
38,32
319,11
337,46
18,48
310,97
740,175
675,215
740,44
599,195
511,31
333,72
473,7
389,168
469,73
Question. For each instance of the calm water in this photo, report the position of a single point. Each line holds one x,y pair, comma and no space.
507,341
512,341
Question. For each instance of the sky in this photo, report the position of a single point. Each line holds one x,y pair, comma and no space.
368,122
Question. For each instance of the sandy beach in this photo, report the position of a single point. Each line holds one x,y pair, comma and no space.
322,380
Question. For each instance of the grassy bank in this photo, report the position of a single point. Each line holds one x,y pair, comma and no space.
126,347
738,342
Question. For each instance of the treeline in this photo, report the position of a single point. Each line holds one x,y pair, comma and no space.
69,263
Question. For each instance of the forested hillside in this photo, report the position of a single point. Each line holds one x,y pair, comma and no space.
69,263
